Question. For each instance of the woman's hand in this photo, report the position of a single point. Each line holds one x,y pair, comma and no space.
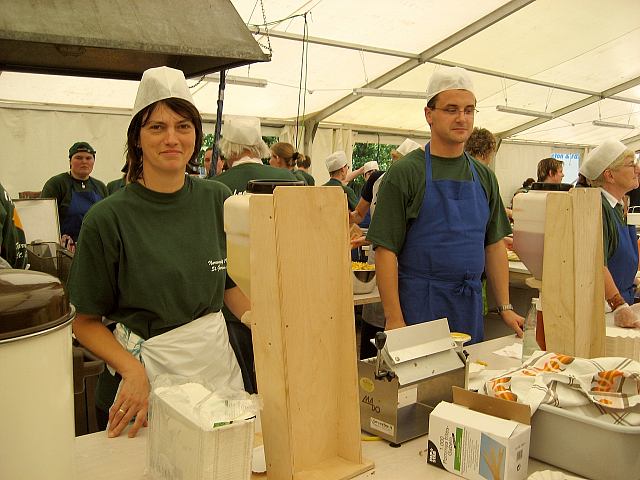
131,401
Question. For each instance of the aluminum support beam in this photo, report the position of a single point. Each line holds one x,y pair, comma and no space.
574,106
451,41
415,56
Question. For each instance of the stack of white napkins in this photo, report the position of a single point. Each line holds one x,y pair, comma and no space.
205,408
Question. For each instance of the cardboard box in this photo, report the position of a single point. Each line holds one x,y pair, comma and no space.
479,437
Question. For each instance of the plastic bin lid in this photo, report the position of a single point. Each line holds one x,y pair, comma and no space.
551,187
30,303
268,186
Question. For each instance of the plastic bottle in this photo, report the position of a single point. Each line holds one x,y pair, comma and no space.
529,343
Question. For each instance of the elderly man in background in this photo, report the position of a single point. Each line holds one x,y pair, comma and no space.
439,223
613,168
338,167
550,170
243,148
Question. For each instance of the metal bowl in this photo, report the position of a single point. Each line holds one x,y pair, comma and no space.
364,281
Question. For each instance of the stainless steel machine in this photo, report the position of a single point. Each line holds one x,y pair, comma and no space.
414,370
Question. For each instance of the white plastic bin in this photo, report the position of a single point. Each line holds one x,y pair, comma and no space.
529,213
586,446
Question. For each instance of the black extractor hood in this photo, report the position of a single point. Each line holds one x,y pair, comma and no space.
122,38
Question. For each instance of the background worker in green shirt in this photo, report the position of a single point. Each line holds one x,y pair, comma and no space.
243,148
75,191
338,167
304,163
13,249
613,168
152,258
439,223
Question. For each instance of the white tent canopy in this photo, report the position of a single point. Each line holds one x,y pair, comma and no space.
575,59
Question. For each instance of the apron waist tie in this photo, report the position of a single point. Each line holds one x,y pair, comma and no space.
467,285
129,340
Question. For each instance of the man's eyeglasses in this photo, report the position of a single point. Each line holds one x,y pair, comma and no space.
468,111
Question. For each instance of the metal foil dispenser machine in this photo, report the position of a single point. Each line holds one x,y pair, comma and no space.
413,371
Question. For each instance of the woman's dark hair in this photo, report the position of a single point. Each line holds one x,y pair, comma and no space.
133,150
303,161
582,181
528,182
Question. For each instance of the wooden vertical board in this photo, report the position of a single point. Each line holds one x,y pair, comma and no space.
268,347
589,282
312,253
558,273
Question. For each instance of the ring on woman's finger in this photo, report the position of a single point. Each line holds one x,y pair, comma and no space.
121,411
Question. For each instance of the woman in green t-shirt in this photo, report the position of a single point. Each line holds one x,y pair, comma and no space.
152,256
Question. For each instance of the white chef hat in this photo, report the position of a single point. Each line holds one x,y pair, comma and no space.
601,157
369,166
407,146
449,78
161,83
242,130
336,161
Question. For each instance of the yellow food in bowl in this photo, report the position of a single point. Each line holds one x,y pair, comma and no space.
362,266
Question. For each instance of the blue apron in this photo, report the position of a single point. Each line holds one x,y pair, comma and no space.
442,260
80,204
623,264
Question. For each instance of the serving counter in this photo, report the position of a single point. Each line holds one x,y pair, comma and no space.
100,458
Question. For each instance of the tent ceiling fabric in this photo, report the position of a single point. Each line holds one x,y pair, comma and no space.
121,39
582,45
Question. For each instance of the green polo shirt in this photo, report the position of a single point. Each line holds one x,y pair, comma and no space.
402,191
237,177
352,198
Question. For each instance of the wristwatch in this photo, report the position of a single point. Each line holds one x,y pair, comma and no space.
504,308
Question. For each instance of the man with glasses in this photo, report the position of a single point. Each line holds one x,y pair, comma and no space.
613,168
440,222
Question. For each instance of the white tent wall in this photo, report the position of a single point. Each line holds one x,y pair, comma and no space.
36,145
514,163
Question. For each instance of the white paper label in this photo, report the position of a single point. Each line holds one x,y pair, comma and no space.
381,426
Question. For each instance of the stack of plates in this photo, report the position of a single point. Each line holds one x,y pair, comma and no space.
621,342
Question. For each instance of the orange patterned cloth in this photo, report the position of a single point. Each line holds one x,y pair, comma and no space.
608,388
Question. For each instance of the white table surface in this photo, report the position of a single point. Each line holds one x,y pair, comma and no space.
100,458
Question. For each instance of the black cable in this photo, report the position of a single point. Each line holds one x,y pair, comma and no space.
300,91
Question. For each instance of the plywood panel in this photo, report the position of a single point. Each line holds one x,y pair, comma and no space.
304,344
268,348
558,275
589,281
319,331
573,286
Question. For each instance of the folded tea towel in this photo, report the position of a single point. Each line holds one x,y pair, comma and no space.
604,388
